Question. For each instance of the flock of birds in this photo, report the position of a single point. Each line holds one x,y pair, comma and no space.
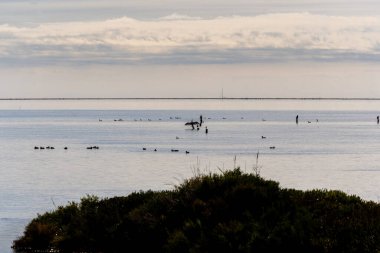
172,150
48,147
144,149
159,119
65,148
97,147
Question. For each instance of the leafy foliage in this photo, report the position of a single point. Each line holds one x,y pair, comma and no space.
229,212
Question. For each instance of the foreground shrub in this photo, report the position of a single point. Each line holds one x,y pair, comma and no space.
229,212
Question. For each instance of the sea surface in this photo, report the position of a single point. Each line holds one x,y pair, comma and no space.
335,145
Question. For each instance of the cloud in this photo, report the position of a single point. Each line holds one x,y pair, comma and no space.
176,16
196,40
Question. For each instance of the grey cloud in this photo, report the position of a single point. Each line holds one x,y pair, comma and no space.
182,39
191,56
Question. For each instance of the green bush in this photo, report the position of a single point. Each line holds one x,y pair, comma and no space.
229,212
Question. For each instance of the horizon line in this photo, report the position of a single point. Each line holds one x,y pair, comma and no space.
189,98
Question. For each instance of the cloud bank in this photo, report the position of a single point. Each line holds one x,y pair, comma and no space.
184,39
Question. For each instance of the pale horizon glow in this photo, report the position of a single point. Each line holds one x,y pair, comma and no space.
249,49
316,80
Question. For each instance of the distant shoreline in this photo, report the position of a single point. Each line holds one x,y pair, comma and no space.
186,98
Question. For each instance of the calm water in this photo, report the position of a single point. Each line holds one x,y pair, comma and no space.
340,151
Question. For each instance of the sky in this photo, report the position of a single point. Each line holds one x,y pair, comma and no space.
183,48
